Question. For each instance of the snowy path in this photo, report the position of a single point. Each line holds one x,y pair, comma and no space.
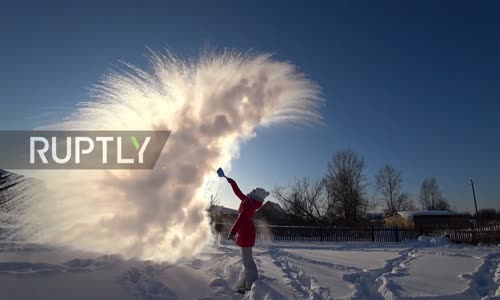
417,270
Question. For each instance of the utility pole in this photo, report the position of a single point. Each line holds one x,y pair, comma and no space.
475,202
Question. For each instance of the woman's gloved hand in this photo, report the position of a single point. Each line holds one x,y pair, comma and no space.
231,236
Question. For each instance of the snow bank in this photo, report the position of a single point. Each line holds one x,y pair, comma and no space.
424,239
497,280
437,241
349,270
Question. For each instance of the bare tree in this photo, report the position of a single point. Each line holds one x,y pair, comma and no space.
304,200
212,194
431,197
405,202
346,185
389,187
214,200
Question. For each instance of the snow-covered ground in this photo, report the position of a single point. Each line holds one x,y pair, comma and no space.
411,270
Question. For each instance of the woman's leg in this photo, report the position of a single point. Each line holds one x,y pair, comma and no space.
251,272
242,280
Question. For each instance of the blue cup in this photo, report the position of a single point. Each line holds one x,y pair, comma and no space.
220,172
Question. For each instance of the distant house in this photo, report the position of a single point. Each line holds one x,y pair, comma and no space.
269,214
221,214
427,220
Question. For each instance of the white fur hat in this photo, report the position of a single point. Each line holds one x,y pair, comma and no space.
258,194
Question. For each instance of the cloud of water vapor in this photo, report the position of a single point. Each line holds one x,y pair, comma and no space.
210,104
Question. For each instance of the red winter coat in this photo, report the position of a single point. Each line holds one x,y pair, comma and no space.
243,227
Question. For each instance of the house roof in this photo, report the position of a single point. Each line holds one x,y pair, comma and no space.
224,210
275,206
408,215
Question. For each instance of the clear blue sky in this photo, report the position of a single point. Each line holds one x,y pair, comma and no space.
415,84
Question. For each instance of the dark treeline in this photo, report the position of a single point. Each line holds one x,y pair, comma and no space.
340,196
487,215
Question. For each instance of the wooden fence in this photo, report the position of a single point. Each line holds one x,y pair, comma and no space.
483,234
326,234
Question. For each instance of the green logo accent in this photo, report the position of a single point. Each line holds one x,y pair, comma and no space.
135,142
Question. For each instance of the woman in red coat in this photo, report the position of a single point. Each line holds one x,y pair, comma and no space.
244,231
